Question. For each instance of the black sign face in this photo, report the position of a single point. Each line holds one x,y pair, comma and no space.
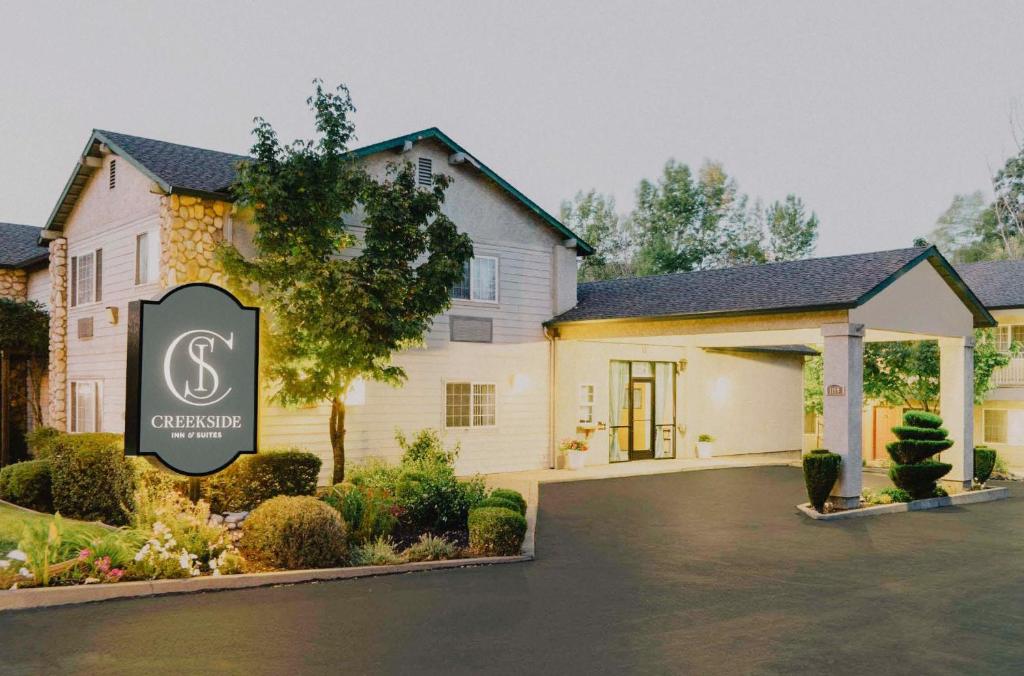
192,379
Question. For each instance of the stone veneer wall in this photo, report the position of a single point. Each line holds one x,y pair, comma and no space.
58,366
13,284
191,228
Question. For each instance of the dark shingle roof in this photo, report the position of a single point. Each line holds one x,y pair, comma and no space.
999,284
18,247
181,167
813,284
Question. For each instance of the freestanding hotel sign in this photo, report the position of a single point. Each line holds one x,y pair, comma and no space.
192,379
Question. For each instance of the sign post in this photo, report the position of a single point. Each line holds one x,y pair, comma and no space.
192,398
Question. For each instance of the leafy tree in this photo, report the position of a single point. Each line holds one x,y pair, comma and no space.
593,216
792,233
25,333
907,373
330,319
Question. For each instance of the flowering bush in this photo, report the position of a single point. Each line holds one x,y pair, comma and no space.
572,444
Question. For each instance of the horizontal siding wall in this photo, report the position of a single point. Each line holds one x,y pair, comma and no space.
39,286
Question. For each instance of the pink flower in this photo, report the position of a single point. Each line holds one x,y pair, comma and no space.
115,574
84,555
103,565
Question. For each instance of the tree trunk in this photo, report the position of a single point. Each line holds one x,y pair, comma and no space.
337,432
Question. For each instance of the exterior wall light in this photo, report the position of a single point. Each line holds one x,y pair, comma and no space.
520,383
112,314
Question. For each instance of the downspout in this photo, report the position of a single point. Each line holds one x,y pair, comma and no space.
552,336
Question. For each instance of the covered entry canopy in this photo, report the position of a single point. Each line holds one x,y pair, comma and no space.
836,303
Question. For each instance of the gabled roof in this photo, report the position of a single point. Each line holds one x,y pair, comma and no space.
19,246
836,282
188,170
999,284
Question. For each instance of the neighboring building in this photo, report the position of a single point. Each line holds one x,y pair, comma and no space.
999,422
140,215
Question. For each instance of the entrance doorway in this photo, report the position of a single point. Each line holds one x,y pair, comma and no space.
642,411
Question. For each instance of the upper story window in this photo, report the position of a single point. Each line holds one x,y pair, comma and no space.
1009,334
112,178
479,280
425,171
87,278
146,257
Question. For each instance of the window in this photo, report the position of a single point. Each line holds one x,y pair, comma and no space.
479,280
87,278
470,404
112,179
1006,335
146,257
86,406
586,401
425,171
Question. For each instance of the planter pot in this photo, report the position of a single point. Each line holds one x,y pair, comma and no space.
574,460
704,449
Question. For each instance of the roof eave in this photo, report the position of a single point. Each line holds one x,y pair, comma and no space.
824,307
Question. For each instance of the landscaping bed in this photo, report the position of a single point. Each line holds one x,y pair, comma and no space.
987,494
272,524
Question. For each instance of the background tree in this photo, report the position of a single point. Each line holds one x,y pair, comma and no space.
792,233
330,319
25,335
593,216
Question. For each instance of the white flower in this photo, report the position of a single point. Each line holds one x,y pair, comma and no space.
183,560
159,528
25,572
17,555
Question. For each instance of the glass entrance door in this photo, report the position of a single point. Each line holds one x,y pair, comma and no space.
642,418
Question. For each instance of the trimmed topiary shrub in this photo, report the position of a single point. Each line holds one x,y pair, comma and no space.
920,437
252,479
40,441
984,463
28,484
513,496
92,479
294,532
821,470
498,502
496,531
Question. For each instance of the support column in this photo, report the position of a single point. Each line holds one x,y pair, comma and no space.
956,404
843,396
58,365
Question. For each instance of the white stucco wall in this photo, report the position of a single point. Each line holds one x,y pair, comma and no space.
109,220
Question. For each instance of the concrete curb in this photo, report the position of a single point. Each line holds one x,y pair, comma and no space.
969,498
42,597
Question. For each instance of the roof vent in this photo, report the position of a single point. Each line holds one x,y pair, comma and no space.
113,174
425,171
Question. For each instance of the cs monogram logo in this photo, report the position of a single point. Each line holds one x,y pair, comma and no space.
202,386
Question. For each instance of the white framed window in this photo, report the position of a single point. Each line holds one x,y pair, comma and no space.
87,278
147,257
86,405
468,404
1007,335
585,416
479,280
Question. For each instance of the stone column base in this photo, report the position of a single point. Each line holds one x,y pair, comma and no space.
841,502
954,486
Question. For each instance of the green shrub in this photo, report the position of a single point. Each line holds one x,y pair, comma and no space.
378,552
294,532
40,441
498,502
92,479
918,479
984,463
922,419
252,479
896,494
368,513
821,470
431,548
425,447
28,484
912,468
514,496
496,531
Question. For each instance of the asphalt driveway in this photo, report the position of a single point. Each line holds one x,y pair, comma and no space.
701,572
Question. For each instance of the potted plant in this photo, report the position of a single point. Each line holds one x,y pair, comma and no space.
704,446
573,449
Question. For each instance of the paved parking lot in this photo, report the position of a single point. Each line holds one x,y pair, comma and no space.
700,572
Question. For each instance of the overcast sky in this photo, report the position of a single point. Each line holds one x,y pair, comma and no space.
875,113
